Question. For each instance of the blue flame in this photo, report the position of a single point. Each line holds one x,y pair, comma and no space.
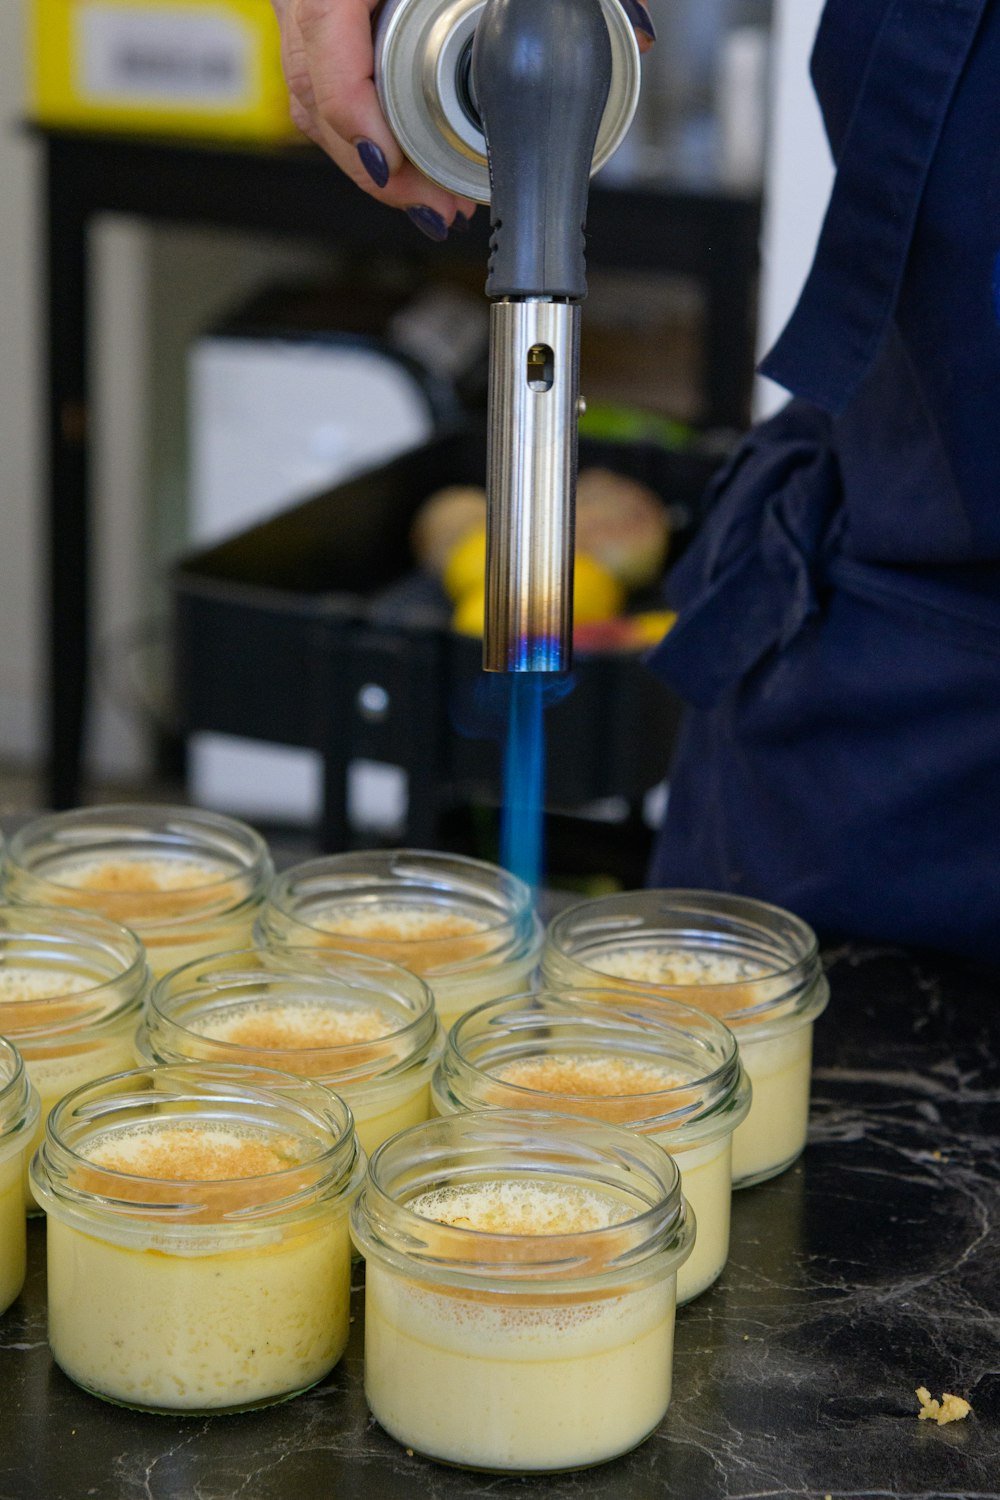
521,822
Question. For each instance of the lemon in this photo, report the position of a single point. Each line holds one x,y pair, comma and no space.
465,565
470,613
652,625
597,595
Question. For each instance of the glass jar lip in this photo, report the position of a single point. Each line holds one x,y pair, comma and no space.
220,1089
19,1102
64,928
461,1148
327,971
619,917
645,1026
227,839
387,873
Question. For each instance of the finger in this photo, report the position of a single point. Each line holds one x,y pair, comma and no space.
337,40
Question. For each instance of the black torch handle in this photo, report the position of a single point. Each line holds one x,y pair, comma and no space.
541,71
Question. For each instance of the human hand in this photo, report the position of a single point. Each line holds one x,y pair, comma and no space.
328,60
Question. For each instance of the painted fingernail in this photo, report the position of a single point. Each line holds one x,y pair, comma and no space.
460,223
640,18
373,161
428,221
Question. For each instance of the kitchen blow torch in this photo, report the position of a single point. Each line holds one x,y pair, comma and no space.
515,103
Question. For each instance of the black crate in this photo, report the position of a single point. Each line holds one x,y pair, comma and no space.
280,630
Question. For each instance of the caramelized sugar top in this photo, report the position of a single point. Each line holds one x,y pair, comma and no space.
520,1206
596,1077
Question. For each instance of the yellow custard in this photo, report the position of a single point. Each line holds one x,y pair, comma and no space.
467,927
667,1071
18,1115
612,1079
225,1317
613,1089
774,1132
12,1240
380,1105
181,908
293,1026
569,1381
20,985
430,942
61,1047
706,1168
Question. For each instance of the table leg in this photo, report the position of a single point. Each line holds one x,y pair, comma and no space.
68,620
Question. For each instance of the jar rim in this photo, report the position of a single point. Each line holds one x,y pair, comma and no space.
266,1097
84,831
327,972
641,919
19,1102
60,930
602,1022
371,877
480,1146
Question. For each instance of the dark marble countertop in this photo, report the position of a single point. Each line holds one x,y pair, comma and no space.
870,1268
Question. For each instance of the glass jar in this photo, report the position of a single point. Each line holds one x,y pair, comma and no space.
198,1248
669,1071
72,988
755,966
189,883
360,1025
19,1112
468,928
520,1288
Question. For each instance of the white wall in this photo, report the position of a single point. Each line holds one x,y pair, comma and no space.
18,377
798,176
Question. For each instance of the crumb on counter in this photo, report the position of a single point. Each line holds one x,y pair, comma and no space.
948,1409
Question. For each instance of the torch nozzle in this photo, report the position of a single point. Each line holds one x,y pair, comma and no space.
531,485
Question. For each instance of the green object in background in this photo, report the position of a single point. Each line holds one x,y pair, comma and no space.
631,424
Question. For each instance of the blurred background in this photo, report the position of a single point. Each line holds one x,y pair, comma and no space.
218,398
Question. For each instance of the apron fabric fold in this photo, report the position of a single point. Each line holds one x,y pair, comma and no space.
838,638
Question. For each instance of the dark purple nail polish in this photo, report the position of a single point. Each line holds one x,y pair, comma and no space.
374,162
640,18
428,222
460,223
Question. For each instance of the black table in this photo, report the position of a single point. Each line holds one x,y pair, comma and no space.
867,1270
295,190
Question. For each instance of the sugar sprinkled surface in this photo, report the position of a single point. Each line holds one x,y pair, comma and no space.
294,1026
193,1154
398,923
20,984
138,876
663,965
596,1077
518,1206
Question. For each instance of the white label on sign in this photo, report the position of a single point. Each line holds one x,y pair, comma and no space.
173,56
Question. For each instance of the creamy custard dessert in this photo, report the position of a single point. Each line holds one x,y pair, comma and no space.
481,1348
664,1069
364,1027
18,1118
221,1280
293,1028
188,883
466,927
753,965
71,990
774,1132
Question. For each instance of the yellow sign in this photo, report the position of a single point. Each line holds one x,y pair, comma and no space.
183,67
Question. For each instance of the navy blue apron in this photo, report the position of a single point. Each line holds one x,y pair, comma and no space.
839,629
